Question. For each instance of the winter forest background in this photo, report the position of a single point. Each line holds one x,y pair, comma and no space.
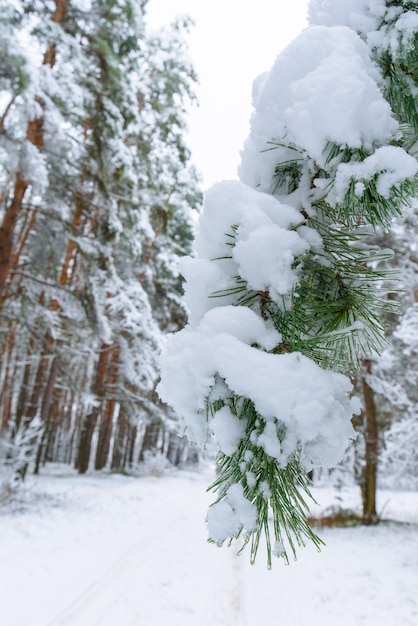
97,195
99,201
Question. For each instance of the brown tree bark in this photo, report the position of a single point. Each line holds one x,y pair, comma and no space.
105,434
369,478
7,230
8,376
89,425
106,422
133,431
61,8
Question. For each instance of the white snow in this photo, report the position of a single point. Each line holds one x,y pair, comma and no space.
227,517
248,233
228,430
360,15
382,26
389,165
312,403
293,103
266,258
113,550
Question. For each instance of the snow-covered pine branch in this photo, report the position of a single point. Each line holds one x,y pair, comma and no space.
281,296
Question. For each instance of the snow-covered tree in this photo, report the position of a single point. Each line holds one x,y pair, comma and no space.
284,288
96,199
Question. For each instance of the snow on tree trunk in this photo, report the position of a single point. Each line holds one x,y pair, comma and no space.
281,291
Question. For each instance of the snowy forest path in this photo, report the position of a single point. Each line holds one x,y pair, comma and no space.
177,595
111,550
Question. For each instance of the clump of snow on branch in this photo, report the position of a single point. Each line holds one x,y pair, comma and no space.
249,234
234,512
360,15
316,107
389,166
382,26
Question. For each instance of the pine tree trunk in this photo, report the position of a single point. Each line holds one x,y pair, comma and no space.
9,376
23,388
105,435
150,440
30,403
74,434
118,449
133,431
369,478
57,446
45,413
7,230
106,422
84,449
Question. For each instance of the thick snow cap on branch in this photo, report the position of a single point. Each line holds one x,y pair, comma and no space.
323,88
360,15
389,165
303,405
243,233
367,17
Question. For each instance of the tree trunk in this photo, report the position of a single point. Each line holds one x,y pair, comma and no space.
9,376
133,431
119,447
151,438
84,449
105,435
31,403
106,422
369,478
7,230
45,415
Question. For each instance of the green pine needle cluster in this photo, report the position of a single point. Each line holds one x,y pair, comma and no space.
276,491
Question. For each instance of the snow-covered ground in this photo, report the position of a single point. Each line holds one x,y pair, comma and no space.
113,550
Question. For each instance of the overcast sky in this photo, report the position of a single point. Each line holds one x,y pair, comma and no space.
233,41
